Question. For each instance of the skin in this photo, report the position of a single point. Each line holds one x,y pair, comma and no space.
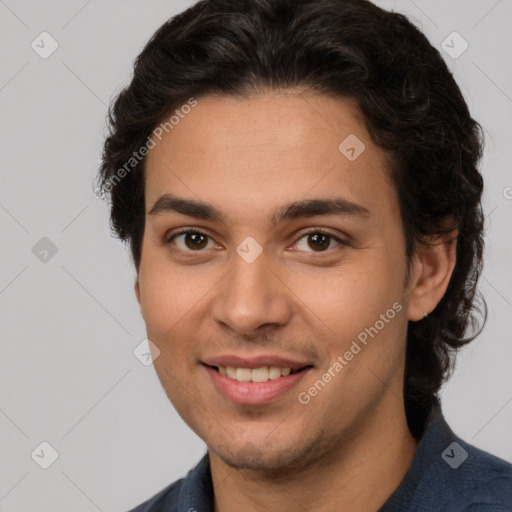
349,447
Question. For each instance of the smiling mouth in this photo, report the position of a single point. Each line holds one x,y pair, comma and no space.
262,374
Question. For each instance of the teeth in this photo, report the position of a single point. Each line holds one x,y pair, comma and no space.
274,372
259,374
262,374
243,374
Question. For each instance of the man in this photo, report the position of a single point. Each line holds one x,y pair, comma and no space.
297,181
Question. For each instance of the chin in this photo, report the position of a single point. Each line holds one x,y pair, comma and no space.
266,458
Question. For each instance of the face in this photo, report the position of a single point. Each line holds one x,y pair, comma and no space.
276,250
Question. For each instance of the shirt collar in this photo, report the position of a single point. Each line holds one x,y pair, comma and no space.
196,494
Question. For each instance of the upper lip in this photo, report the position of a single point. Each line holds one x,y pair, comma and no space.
254,361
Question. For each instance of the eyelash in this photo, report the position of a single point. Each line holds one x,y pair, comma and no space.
169,240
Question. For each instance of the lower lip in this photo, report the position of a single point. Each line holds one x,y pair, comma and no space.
254,393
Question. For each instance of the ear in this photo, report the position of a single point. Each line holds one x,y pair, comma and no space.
432,269
137,294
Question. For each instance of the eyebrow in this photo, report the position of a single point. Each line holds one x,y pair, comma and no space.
169,203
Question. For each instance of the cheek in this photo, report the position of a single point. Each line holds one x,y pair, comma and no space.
174,301
347,298
358,315
168,294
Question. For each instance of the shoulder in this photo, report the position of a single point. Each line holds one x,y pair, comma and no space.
451,475
475,480
194,489
461,477
484,481
163,501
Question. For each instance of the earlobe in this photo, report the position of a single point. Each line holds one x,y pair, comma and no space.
434,264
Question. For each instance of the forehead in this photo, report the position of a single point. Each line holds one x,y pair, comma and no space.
267,149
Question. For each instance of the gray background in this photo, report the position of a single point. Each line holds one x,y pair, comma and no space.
68,375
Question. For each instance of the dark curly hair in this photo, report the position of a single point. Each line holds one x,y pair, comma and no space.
411,104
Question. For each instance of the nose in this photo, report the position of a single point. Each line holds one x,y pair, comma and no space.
250,297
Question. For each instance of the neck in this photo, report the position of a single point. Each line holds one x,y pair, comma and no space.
358,474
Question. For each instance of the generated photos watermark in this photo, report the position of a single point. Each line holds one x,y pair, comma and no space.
304,397
138,156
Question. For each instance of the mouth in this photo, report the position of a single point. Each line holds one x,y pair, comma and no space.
261,374
256,386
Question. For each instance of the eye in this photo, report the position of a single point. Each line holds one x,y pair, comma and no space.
319,241
191,240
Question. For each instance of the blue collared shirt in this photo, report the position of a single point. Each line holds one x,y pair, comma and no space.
446,475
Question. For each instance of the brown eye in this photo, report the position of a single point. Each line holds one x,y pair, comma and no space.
190,240
196,240
317,241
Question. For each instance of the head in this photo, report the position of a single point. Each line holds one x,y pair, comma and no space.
245,112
